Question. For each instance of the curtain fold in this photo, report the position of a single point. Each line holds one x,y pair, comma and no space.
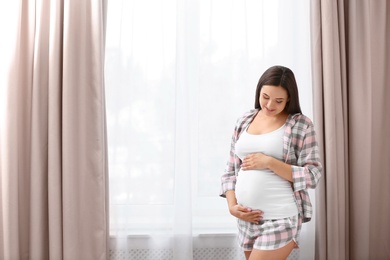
350,75
185,84
53,149
369,37
331,115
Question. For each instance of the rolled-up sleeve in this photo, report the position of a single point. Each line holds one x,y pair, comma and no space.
307,171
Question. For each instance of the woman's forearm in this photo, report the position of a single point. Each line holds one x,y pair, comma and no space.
231,198
280,168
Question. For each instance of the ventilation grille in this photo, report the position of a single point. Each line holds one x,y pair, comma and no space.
199,254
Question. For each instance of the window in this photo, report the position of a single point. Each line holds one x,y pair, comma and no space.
178,75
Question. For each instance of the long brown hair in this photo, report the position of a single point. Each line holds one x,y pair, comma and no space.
284,77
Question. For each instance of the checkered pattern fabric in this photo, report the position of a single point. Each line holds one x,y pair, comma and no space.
268,234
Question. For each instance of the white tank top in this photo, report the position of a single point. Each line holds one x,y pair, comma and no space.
263,189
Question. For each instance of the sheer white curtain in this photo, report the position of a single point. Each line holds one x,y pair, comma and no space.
178,74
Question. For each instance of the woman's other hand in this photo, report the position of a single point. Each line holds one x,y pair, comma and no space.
246,214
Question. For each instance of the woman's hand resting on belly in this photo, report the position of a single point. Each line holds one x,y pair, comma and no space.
241,212
255,161
260,161
246,213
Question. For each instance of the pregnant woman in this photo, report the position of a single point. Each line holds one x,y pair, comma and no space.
273,160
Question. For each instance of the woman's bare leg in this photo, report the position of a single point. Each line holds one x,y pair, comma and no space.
247,254
277,254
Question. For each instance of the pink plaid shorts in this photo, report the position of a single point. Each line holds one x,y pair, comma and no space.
269,234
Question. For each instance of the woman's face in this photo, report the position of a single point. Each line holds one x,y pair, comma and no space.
273,99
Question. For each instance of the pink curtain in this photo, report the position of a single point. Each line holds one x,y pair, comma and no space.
351,71
53,143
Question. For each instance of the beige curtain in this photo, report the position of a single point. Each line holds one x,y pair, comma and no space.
351,73
53,146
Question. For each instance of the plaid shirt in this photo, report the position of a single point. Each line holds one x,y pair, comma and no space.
300,150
